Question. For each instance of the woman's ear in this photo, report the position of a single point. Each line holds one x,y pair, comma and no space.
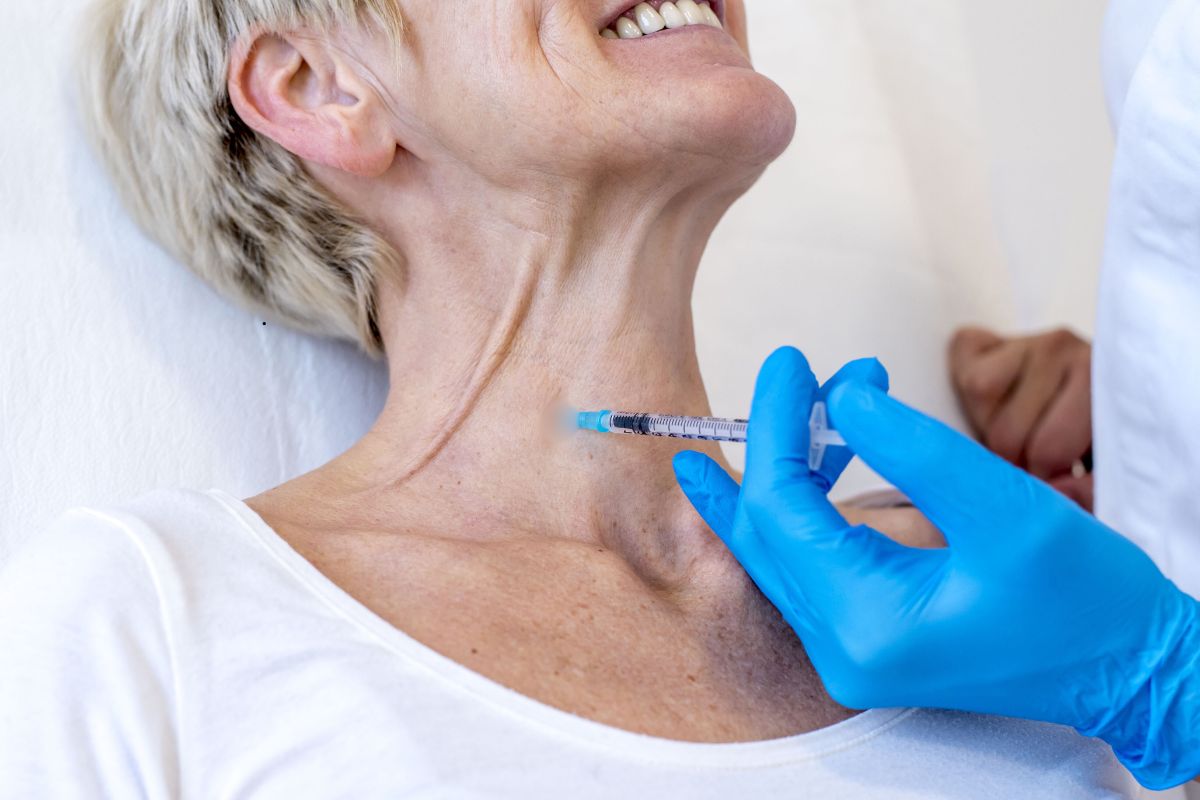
302,93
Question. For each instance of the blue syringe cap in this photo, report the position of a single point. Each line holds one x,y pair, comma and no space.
593,421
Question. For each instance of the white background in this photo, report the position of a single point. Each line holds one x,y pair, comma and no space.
950,166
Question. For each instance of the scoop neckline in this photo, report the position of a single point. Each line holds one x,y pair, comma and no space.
528,711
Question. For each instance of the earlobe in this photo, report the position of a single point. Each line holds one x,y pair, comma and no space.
296,91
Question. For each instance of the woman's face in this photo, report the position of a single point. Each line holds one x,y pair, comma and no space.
530,88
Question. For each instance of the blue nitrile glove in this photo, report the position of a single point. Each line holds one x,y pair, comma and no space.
1035,609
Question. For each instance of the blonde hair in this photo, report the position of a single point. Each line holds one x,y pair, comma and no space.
234,206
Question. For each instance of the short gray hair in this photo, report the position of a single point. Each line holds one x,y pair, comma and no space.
237,208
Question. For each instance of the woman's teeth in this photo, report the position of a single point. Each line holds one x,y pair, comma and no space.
646,20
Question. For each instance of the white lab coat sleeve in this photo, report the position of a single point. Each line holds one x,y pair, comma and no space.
87,703
1146,363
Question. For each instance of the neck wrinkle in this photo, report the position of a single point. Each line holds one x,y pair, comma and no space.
496,350
597,314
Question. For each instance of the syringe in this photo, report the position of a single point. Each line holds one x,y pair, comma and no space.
709,429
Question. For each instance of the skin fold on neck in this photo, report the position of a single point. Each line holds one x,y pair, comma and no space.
578,548
571,549
550,220
509,308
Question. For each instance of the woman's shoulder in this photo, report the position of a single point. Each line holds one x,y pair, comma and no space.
85,639
83,533
88,548
137,569
80,584
156,514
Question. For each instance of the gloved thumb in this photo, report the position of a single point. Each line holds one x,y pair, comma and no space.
867,370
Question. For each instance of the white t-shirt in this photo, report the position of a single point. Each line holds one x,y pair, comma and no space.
176,646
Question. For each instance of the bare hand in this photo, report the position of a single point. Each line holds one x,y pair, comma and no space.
1029,400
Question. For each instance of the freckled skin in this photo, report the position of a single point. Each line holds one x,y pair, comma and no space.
589,636
576,628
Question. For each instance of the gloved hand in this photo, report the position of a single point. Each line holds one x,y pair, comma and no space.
1035,609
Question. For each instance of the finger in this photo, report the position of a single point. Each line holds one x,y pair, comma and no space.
866,370
967,344
1081,489
780,492
711,491
1064,433
1014,421
984,383
949,477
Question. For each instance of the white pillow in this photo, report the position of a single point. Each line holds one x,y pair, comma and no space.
119,371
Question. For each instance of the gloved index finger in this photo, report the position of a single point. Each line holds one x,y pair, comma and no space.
960,486
867,370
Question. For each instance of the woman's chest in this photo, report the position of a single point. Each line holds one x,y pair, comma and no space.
583,635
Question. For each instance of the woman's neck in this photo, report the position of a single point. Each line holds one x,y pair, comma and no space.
502,321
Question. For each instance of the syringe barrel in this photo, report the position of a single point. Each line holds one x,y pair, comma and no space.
677,427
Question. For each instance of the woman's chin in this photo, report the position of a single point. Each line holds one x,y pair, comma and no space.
743,118
697,88
760,128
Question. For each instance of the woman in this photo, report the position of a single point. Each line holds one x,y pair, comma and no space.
509,205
